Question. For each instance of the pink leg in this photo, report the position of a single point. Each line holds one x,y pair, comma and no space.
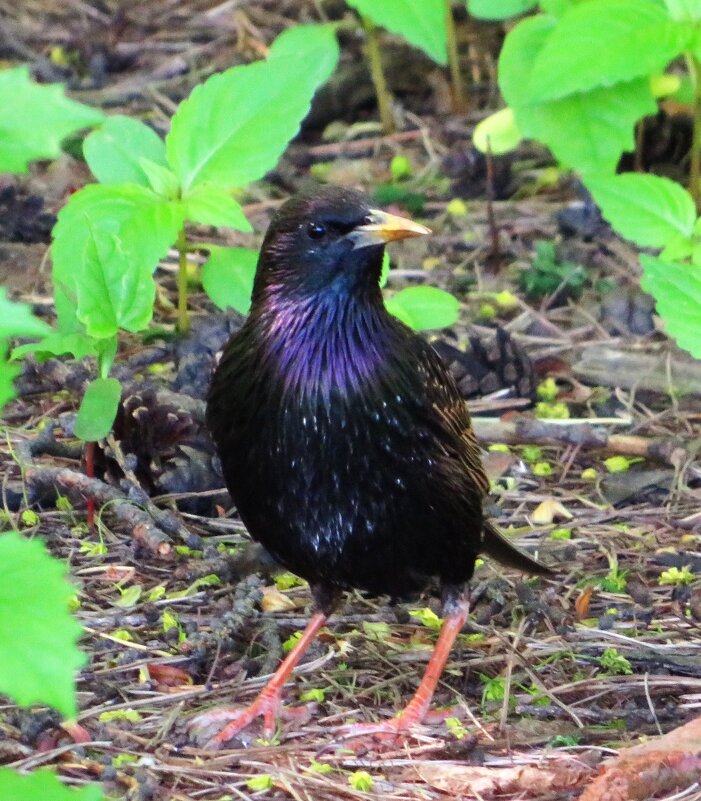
268,704
362,734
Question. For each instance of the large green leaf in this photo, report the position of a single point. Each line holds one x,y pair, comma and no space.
497,133
17,320
115,234
647,209
98,409
589,131
677,292
36,119
603,42
499,9
521,47
56,344
420,23
213,205
684,10
42,785
113,291
234,127
227,277
115,149
424,307
38,652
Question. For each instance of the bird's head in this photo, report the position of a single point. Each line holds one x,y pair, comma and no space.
328,239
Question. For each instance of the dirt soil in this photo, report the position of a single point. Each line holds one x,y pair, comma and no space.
550,677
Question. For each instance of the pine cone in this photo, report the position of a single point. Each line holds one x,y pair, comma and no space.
492,361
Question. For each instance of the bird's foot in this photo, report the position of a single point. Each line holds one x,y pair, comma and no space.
366,736
229,722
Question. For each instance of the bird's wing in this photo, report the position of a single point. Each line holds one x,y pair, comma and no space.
449,407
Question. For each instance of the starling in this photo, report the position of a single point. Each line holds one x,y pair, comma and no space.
344,442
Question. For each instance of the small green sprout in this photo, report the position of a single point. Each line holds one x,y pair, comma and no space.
542,469
531,453
487,311
315,694
29,518
506,301
615,580
320,767
123,635
291,641
169,620
427,617
63,504
561,534
619,464
400,168
286,581
456,727
547,390
589,474
129,715
377,630
120,760
93,548
675,577
545,410
156,593
564,741
259,783
456,208
615,663
494,688
499,447
361,780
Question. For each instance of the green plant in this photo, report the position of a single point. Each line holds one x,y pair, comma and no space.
34,599
548,275
110,236
42,117
676,577
582,95
615,663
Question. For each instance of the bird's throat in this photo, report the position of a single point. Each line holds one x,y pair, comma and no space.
324,343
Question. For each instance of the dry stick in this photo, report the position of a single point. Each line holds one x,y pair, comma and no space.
78,487
384,101
459,101
584,434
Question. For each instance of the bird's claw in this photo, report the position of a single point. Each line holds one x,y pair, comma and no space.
228,723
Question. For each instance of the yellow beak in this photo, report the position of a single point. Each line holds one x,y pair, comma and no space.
384,227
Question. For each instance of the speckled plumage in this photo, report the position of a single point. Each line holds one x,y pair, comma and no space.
344,442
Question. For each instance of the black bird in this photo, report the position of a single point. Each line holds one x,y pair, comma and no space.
343,439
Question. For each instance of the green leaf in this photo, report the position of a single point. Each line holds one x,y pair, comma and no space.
17,319
497,133
98,409
589,131
499,9
603,42
647,209
8,373
57,344
162,180
424,307
677,292
108,240
227,277
213,205
422,24
42,785
115,149
384,272
38,652
41,117
684,10
234,127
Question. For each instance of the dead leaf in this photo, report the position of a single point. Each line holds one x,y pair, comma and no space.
169,676
581,605
275,601
549,510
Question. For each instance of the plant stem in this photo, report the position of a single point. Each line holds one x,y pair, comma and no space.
459,101
90,473
384,99
183,318
695,170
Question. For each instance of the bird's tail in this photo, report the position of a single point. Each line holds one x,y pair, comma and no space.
496,545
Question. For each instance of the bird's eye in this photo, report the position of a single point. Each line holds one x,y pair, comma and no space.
367,220
315,230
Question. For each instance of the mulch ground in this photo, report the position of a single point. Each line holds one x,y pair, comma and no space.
550,677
